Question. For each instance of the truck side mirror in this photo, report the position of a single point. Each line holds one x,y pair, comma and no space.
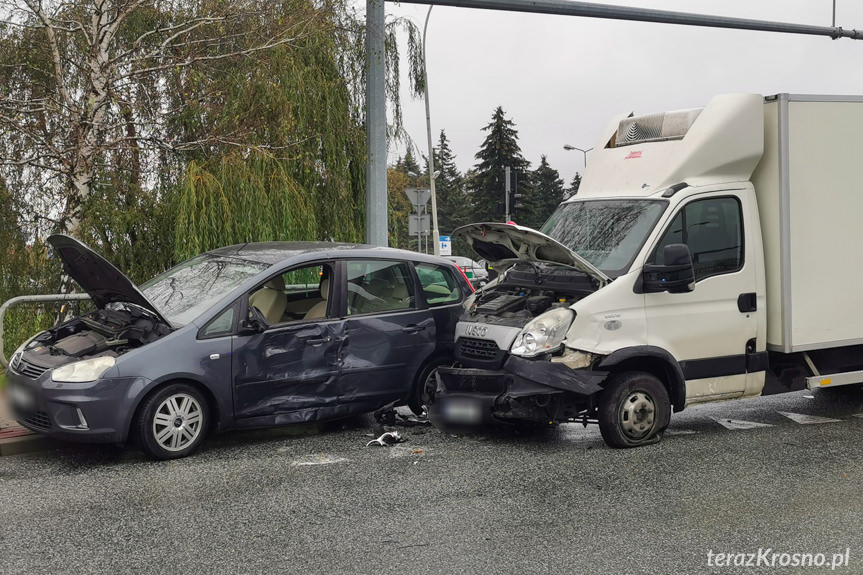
676,275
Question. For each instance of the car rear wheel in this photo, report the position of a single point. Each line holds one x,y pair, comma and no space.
425,385
173,422
633,410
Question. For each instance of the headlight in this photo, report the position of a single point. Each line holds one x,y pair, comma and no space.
543,334
16,357
18,353
82,371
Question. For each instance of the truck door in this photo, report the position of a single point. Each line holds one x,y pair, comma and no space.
708,329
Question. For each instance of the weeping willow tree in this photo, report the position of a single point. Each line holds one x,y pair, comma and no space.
299,112
241,200
295,166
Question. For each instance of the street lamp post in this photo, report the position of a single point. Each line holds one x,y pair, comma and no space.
569,148
435,231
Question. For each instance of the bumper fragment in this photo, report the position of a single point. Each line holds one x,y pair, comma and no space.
521,390
556,375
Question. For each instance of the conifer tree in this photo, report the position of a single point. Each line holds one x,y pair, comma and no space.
499,150
573,185
452,202
548,194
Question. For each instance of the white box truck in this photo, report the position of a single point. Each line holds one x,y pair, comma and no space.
709,254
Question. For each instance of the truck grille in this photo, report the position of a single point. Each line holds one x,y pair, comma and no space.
39,420
27,369
478,348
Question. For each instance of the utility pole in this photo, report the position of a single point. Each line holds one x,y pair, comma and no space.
435,231
506,192
376,126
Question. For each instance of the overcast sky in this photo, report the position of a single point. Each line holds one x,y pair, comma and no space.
561,78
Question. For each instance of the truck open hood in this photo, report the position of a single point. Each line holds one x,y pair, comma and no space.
102,281
504,245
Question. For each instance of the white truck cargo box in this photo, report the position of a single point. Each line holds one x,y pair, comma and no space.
809,186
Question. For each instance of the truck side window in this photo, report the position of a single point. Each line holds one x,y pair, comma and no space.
712,229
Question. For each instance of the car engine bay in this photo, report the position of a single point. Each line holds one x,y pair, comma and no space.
111,331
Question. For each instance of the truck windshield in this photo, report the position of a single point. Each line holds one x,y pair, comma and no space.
607,233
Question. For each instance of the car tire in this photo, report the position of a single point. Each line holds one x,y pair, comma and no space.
425,386
633,409
173,422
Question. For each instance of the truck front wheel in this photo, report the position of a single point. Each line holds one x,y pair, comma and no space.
633,409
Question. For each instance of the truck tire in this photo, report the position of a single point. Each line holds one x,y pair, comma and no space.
633,410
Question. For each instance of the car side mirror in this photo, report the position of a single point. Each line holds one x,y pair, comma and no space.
676,275
256,322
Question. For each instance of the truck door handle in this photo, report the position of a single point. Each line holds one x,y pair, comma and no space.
318,341
747,302
413,328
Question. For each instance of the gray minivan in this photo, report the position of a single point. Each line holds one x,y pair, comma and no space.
252,335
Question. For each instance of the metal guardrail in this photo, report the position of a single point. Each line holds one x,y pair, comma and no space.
28,299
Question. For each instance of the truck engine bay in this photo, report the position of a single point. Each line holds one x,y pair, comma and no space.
527,291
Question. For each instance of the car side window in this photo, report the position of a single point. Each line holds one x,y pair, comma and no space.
713,230
221,325
298,294
439,284
376,286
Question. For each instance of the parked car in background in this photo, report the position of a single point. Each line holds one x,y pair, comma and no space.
253,335
475,272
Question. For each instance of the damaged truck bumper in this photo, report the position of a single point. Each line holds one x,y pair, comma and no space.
522,391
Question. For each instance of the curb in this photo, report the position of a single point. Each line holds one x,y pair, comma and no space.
17,440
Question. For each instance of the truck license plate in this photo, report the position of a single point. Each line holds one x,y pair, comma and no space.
462,410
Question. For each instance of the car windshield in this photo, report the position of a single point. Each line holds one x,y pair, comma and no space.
607,233
184,292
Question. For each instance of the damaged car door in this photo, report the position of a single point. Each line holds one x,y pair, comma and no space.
286,355
391,334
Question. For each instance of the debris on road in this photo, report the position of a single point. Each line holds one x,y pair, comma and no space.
387,439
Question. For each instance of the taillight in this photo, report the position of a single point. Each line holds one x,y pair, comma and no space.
461,269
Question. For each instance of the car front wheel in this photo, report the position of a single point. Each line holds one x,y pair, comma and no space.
172,423
633,409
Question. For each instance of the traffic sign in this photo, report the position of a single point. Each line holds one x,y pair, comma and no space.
445,245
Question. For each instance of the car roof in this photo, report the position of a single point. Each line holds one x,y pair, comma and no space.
273,253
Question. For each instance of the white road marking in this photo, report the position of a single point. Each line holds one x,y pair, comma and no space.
318,459
807,419
679,432
737,424
860,415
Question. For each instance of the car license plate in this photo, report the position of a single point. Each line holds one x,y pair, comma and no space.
21,398
462,410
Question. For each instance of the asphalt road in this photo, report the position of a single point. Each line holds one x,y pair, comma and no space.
308,500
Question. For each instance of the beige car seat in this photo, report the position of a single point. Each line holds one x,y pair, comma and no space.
271,300
319,310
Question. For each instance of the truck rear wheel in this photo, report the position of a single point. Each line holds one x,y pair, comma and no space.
633,409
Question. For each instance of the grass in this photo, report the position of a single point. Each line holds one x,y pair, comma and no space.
2,380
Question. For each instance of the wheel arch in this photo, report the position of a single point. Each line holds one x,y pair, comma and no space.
209,396
655,361
435,359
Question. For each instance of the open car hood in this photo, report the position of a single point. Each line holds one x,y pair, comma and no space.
504,245
102,281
